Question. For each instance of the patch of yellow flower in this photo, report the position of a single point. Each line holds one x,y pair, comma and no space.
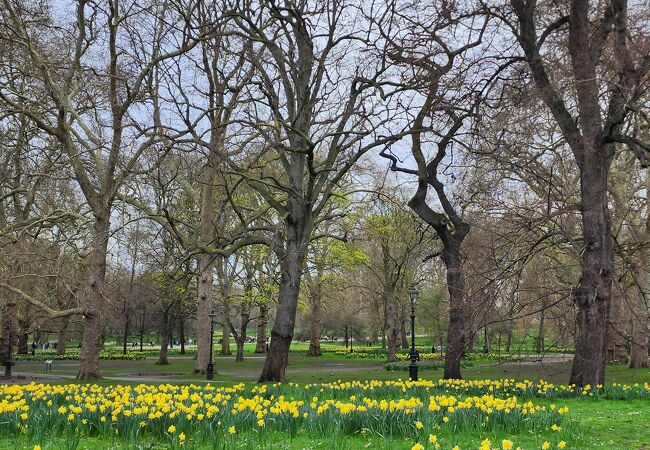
381,407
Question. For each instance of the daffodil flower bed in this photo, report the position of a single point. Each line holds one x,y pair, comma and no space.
180,414
73,354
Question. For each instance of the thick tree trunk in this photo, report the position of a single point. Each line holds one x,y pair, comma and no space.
315,323
593,293
282,331
239,355
203,310
262,322
243,331
62,337
21,345
164,342
457,333
91,342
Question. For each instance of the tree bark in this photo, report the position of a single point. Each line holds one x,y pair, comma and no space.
181,333
617,333
640,323
91,342
165,333
539,341
404,341
225,334
262,322
8,328
593,293
282,332
315,320
509,339
391,322
640,349
203,310
21,345
62,337
456,333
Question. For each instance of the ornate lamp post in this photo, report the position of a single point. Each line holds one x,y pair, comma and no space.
209,374
413,366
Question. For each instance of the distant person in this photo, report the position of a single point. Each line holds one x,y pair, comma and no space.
33,348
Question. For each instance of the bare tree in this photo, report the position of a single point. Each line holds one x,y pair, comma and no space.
591,127
317,123
429,65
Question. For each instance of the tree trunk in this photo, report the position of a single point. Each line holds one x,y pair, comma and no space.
617,333
262,322
243,331
640,349
91,342
509,340
391,322
593,293
181,333
640,323
22,343
315,322
62,338
282,331
239,355
203,310
456,334
404,341
225,335
164,340
8,328
539,341
125,335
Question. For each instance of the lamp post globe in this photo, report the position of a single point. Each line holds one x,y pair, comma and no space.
413,366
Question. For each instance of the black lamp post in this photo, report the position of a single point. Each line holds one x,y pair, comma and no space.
413,366
8,362
209,374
